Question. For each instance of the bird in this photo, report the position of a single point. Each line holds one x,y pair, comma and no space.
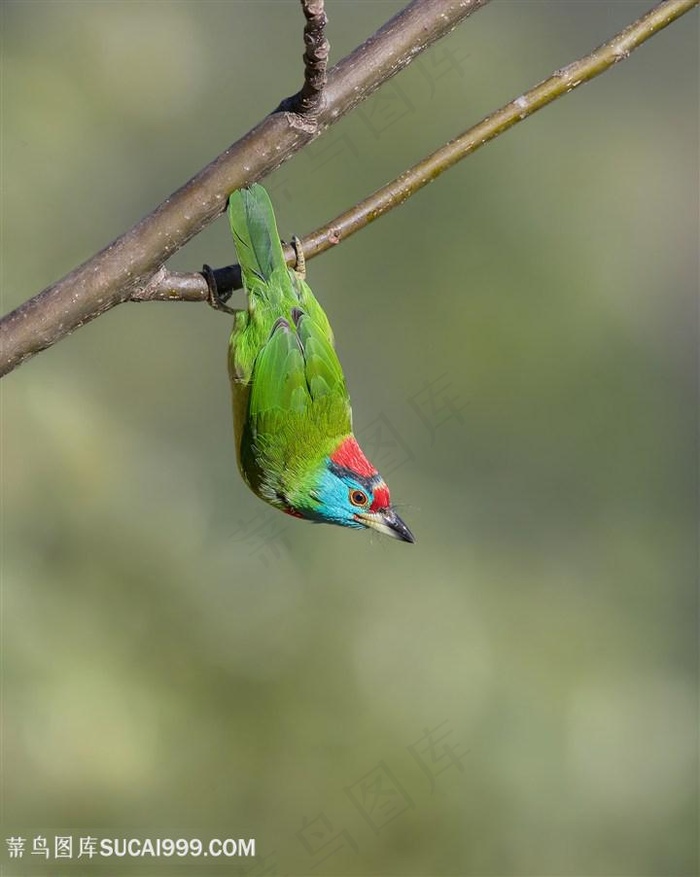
291,409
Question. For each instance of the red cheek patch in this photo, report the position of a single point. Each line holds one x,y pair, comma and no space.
382,500
349,455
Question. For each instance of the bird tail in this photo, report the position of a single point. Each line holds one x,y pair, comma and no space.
255,234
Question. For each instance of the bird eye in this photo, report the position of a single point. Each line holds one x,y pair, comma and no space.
358,497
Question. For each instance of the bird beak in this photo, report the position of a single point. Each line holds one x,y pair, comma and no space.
386,522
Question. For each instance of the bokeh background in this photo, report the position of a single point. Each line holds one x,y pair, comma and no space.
517,693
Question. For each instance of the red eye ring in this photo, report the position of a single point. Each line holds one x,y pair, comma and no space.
358,497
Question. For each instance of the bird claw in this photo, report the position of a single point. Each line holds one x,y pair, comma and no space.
300,264
213,297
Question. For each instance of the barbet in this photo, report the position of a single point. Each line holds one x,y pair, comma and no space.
292,416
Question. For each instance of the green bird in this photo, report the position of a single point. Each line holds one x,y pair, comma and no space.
292,415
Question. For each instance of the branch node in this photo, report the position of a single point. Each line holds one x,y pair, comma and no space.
151,289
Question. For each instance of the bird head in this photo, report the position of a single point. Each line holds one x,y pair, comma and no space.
350,492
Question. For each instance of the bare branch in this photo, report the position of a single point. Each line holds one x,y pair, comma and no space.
393,194
125,269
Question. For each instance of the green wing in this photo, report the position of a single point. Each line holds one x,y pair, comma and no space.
322,369
279,380
297,378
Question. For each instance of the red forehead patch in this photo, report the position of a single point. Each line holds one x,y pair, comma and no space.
382,500
349,455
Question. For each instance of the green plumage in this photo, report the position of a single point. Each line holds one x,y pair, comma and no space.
291,405
291,409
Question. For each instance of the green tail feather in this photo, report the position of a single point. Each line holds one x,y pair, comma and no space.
255,234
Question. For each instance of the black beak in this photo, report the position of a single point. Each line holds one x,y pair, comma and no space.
388,523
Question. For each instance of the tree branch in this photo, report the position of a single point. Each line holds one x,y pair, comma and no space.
192,287
127,267
561,82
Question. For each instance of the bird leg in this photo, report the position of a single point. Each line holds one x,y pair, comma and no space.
300,264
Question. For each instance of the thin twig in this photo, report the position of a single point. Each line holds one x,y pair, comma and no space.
128,268
561,82
307,102
184,287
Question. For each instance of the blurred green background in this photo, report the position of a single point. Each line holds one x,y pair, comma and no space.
516,694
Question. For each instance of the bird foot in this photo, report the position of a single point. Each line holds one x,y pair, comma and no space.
213,298
300,264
